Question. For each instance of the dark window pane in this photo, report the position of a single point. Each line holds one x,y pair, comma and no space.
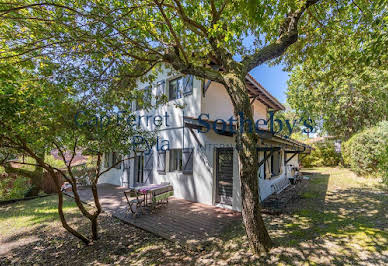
172,89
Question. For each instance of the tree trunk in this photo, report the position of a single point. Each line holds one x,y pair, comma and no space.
93,220
246,143
60,210
96,199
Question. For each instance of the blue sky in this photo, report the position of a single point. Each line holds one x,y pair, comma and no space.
273,79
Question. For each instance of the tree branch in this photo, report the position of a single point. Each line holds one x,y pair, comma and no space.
288,36
168,22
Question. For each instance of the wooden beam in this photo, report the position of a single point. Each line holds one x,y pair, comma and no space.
195,137
265,158
268,149
206,86
289,159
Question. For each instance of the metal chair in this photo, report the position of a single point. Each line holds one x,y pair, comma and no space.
137,202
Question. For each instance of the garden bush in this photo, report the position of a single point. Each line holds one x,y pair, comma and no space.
323,154
365,152
13,187
383,166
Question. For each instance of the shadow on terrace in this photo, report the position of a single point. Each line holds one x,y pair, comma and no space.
180,220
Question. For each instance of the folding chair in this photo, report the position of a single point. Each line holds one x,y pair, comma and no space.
134,204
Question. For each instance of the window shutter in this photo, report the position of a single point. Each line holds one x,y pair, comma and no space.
188,85
187,160
148,167
148,161
135,168
161,162
160,88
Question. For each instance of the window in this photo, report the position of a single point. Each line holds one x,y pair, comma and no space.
139,168
175,89
115,159
111,159
161,162
179,87
175,160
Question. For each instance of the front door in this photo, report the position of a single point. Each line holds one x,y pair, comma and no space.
224,175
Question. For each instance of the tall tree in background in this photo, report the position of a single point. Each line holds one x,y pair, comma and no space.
343,78
115,43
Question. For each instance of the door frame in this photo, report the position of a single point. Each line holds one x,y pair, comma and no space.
215,190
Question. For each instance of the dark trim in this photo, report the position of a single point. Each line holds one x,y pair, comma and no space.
266,157
206,86
289,159
195,137
268,149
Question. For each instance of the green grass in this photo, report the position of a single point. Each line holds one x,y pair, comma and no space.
27,214
340,219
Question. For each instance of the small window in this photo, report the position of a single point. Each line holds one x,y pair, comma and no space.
175,160
179,87
175,89
110,160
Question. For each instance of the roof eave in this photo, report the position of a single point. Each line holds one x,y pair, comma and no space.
264,96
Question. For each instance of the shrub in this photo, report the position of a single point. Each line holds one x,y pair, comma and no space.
365,152
323,154
13,188
383,165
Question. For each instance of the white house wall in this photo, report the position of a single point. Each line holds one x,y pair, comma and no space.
294,161
218,105
265,184
200,186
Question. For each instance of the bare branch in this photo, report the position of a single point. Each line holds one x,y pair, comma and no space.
114,165
288,36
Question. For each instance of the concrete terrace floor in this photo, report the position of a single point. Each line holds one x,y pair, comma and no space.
183,221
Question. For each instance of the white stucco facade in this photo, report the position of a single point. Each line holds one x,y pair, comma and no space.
201,184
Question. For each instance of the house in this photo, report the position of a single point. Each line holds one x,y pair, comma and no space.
203,165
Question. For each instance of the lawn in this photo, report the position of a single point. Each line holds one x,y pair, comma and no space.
339,219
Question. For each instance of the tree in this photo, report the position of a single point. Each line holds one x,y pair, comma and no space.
38,116
125,40
343,77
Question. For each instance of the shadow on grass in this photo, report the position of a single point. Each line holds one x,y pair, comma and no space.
336,226
39,238
327,225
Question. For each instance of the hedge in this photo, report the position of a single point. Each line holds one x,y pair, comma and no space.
323,154
365,152
383,166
